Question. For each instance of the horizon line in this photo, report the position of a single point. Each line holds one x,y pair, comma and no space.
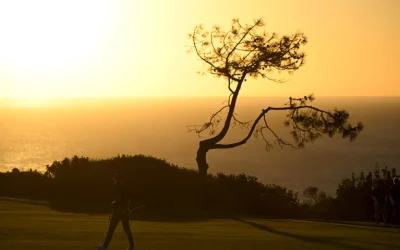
173,97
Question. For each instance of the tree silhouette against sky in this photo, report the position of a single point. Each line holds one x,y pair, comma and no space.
244,52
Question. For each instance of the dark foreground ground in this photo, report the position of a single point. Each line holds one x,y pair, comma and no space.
25,225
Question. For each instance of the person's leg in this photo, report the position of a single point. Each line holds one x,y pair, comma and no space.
384,214
393,215
127,228
377,217
389,213
377,212
381,212
115,218
397,215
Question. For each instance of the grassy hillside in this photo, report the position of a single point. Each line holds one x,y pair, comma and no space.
27,225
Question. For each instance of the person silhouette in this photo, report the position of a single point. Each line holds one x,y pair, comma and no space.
394,196
379,197
120,212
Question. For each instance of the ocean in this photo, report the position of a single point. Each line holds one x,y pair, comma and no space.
34,134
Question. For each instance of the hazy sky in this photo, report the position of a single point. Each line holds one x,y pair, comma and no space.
138,47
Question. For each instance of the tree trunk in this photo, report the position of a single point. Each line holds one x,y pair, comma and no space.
201,160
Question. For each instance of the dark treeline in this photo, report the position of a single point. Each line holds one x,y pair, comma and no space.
81,184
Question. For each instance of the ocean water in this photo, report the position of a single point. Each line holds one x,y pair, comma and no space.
34,134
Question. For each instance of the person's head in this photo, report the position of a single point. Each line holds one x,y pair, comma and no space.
396,181
117,179
380,182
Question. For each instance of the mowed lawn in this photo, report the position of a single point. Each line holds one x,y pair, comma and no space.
31,226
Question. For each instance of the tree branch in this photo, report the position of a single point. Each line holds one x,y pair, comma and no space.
241,39
211,124
338,120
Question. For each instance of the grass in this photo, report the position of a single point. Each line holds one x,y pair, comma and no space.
27,225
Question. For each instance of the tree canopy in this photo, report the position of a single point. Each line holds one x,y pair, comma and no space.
246,51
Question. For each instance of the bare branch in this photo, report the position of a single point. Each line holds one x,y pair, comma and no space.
241,124
335,123
211,124
278,140
198,52
268,145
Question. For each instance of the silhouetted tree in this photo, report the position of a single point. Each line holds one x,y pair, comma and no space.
244,52
316,196
317,204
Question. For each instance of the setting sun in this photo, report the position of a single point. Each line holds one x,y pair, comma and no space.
46,36
45,39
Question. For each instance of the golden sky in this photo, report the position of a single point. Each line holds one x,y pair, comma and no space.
84,48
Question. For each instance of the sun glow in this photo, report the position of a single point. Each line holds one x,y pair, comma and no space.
45,39
53,49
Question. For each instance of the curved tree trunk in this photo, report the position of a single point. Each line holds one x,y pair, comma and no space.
202,165
201,160
206,145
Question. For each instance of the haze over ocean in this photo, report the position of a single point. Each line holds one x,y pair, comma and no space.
34,135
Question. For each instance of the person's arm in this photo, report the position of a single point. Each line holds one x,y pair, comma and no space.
118,200
117,197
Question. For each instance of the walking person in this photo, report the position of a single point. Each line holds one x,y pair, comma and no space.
120,207
379,195
394,196
389,209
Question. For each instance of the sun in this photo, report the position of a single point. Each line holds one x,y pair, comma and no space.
47,34
43,38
